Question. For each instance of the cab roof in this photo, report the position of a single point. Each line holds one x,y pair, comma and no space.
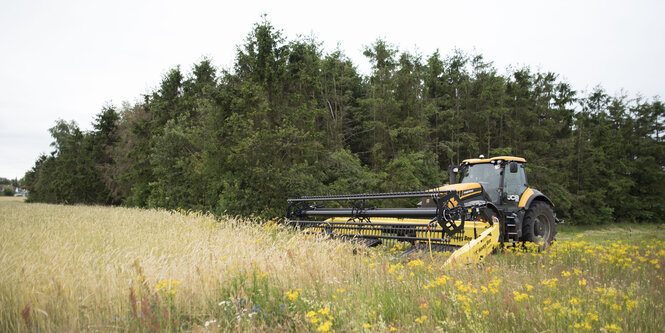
489,160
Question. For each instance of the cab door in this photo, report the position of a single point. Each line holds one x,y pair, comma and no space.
514,183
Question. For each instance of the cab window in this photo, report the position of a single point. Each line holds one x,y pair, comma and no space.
514,183
486,174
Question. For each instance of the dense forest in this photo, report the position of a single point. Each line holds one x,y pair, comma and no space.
290,119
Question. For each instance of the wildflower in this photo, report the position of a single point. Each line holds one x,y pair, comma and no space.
630,305
574,301
565,273
415,263
292,295
461,287
582,282
612,328
486,313
528,287
420,319
325,327
393,329
367,326
592,316
520,296
551,282
394,267
311,315
325,311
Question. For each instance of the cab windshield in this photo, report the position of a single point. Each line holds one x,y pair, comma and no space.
486,174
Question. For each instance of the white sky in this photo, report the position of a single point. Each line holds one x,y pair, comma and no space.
65,59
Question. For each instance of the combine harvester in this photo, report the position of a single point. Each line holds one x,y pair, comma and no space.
489,206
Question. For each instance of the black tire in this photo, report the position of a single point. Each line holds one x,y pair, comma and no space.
539,226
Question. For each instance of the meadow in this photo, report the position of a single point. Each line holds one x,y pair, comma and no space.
93,268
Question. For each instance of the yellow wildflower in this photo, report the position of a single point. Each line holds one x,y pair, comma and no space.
582,282
612,328
520,296
550,282
528,287
325,327
367,325
394,267
292,295
592,316
565,273
312,317
415,263
630,305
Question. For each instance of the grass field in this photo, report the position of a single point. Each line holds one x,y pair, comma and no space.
78,268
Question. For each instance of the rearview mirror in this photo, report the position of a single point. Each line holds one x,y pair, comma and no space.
513,167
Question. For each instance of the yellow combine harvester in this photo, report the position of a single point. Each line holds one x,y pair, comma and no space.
488,203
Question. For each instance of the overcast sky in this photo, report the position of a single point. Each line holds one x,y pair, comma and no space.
66,59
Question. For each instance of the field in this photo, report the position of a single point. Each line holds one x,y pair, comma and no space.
79,268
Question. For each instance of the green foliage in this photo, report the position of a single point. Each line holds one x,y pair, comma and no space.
7,191
290,119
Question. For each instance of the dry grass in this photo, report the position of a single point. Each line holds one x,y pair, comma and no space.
72,268
75,265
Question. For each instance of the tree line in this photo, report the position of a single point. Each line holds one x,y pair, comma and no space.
289,119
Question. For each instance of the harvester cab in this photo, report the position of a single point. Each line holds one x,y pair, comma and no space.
489,203
528,213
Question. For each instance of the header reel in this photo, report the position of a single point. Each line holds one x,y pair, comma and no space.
443,223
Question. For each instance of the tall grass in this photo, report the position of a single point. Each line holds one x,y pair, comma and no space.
71,268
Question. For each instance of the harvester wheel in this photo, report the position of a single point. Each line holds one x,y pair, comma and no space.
539,225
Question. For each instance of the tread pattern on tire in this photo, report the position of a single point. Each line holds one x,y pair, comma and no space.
536,209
